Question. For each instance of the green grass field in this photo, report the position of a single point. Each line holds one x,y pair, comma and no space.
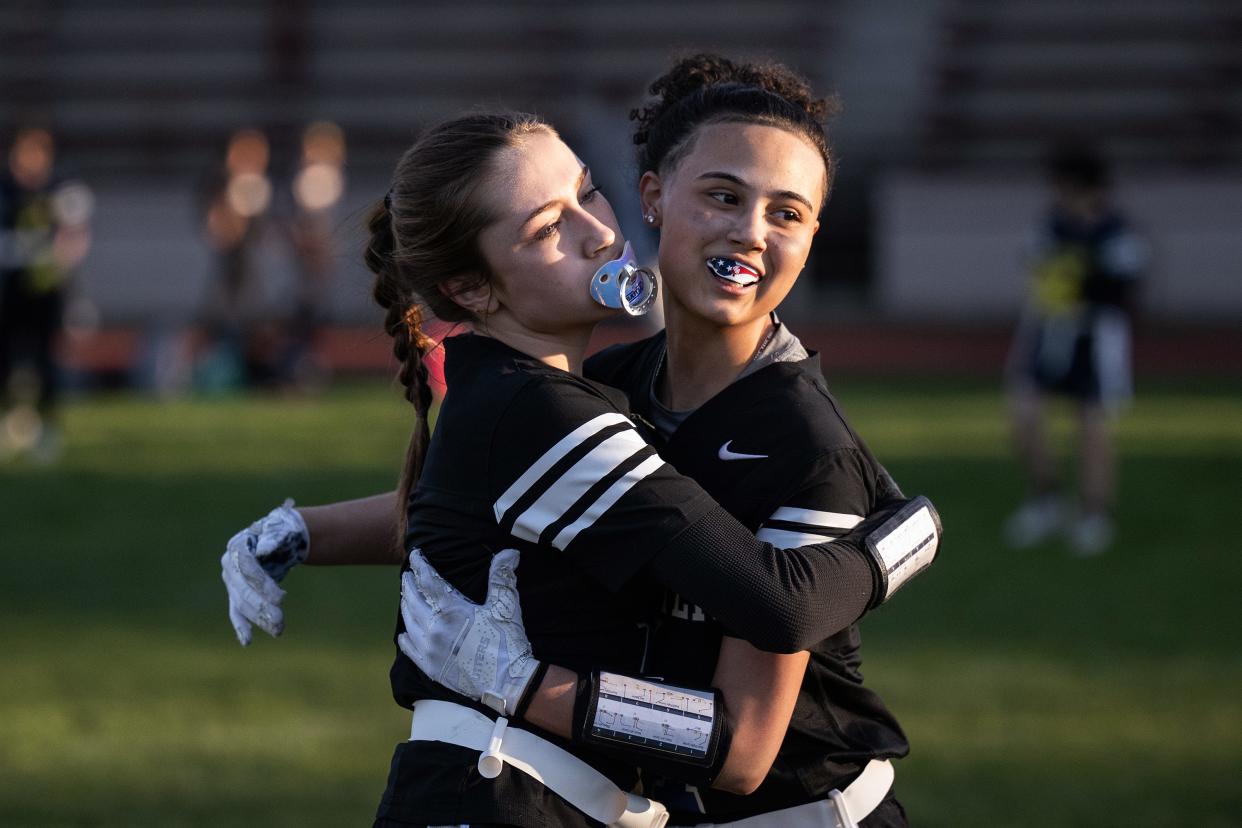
1037,689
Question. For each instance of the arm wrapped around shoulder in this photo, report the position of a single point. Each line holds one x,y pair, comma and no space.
786,600
680,732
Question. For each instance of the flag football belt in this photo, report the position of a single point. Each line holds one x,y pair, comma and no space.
842,809
564,774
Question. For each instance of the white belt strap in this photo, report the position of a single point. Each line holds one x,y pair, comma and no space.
569,777
842,809
864,794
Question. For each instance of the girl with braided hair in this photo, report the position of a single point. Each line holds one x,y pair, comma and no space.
735,171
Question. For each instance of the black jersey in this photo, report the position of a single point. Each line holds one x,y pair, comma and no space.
517,445
527,456
1086,265
775,450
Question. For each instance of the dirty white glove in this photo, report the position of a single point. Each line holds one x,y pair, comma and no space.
254,560
478,650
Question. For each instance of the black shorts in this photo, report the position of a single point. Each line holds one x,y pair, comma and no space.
433,783
888,814
1087,359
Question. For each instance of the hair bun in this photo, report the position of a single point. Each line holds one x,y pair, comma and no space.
706,69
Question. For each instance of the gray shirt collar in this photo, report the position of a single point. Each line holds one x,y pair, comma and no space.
782,347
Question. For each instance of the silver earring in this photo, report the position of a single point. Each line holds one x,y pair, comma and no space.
649,218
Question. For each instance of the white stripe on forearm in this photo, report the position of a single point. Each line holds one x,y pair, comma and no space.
573,484
596,510
549,459
828,520
784,539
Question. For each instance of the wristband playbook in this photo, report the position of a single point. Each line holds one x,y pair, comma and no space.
659,726
904,545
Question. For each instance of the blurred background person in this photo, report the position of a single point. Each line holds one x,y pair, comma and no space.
237,198
44,236
317,188
1074,341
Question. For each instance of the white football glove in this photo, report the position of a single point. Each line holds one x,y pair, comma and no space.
478,650
254,560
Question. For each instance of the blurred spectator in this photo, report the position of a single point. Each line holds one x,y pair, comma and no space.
1074,341
44,236
317,187
236,200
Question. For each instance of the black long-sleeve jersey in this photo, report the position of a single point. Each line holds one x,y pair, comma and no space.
775,449
527,456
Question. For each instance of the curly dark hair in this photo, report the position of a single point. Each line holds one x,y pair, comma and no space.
710,89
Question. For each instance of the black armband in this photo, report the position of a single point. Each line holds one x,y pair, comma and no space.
902,545
678,732
532,687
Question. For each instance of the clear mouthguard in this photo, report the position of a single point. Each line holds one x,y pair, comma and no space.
621,283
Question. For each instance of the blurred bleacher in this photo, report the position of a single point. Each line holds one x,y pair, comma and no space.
1150,81
1153,84
949,106
142,87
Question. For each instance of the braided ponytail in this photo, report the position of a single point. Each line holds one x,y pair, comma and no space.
402,320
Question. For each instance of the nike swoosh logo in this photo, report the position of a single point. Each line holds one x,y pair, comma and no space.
725,454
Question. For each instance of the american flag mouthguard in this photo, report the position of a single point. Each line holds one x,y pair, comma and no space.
732,271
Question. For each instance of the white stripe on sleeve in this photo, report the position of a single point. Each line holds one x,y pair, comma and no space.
614,492
784,539
573,484
549,459
828,520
